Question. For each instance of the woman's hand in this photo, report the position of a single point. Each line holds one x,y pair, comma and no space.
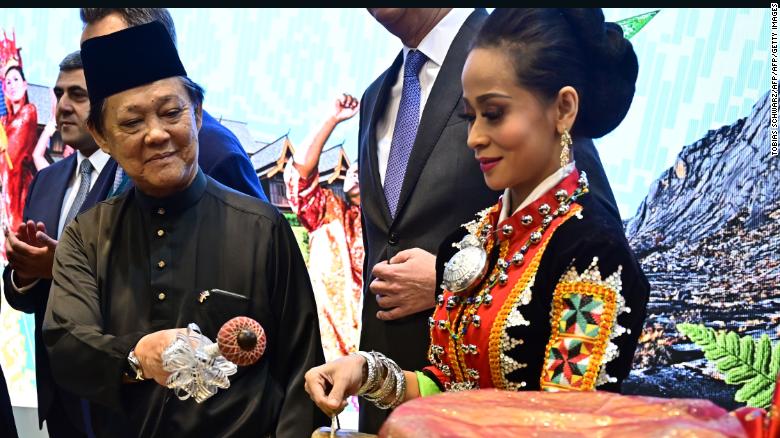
39,153
329,385
50,128
346,108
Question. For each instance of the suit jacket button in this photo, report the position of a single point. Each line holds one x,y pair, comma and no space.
393,240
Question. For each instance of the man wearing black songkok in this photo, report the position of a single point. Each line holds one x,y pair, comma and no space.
129,272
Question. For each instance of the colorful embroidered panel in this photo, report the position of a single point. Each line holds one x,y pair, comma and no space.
584,314
581,315
568,362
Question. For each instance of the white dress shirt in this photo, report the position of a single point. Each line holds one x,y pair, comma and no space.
434,46
98,160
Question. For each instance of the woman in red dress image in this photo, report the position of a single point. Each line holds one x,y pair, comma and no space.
16,164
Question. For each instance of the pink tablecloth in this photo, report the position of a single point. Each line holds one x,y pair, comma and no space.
495,413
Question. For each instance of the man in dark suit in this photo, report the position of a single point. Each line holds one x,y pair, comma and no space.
441,186
417,188
221,155
56,195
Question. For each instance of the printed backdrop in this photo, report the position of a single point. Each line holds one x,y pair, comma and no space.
690,165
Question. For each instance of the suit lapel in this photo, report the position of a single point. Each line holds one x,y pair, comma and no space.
59,181
445,95
376,113
102,186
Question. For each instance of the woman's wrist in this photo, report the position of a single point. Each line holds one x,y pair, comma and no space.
384,383
369,372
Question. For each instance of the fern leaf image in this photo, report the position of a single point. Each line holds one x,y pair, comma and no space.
751,364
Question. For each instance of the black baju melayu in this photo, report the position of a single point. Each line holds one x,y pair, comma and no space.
135,264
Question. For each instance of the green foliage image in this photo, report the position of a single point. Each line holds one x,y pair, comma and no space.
746,362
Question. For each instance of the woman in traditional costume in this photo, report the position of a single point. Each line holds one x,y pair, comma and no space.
335,236
540,291
20,125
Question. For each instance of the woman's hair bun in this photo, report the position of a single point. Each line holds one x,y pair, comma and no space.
613,69
553,48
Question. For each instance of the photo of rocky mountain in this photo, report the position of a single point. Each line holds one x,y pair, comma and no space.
707,236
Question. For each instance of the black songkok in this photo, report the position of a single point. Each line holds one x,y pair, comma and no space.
127,59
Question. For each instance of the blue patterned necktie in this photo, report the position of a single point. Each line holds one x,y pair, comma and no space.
405,129
85,171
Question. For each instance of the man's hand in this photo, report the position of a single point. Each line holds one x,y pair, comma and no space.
406,285
30,252
149,352
346,108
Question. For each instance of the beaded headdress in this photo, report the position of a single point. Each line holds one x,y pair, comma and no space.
10,55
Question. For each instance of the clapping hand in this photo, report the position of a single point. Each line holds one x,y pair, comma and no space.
30,251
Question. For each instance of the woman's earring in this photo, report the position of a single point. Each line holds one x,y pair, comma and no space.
565,143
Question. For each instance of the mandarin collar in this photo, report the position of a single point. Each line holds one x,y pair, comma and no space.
178,201
519,219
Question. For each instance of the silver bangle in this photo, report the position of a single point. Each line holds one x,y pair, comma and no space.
400,386
379,391
400,391
372,378
379,372
388,385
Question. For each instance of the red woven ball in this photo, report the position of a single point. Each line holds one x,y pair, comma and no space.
227,339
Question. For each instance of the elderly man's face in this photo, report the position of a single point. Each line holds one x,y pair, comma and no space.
152,132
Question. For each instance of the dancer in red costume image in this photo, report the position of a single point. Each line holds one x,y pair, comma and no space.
335,236
20,123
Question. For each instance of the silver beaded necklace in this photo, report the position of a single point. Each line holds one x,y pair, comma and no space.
468,266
